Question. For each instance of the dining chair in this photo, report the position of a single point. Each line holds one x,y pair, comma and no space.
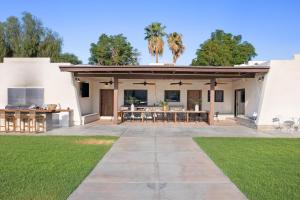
126,116
297,126
181,117
276,123
289,124
216,116
148,116
136,116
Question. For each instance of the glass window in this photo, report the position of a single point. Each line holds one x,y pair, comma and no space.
137,97
219,96
172,95
25,96
85,89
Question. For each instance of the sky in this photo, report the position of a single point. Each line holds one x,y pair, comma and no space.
272,26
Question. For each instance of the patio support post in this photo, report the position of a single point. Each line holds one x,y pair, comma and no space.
115,80
212,101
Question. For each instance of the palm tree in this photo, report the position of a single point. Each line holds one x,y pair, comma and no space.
175,45
154,35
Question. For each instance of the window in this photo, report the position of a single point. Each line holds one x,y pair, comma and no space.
85,89
219,96
137,97
25,96
172,95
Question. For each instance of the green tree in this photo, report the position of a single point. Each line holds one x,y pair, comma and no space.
68,57
29,38
3,47
50,46
32,33
154,35
175,45
113,50
13,33
224,49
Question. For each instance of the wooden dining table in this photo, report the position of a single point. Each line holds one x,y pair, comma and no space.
48,114
155,112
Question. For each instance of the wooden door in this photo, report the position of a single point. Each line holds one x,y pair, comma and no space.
106,102
194,96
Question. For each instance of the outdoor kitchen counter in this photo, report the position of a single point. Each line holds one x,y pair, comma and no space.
48,113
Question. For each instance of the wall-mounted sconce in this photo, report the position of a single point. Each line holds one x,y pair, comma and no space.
77,79
261,78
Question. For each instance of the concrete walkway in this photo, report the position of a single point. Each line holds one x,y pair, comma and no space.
156,167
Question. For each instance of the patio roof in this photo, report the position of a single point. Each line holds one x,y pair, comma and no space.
165,72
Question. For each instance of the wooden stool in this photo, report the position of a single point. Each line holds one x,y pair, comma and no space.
27,122
17,121
10,122
40,123
2,121
31,121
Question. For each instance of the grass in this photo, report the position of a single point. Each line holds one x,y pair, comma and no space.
47,167
261,168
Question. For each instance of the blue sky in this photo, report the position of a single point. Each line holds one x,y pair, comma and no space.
272,26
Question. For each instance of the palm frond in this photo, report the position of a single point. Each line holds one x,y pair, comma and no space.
176,45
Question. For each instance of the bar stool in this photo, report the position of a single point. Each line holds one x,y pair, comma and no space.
10,122
17,121
2,121
26,121
40,123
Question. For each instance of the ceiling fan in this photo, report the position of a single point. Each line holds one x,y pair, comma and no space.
180,83
216,83
107,82
144,83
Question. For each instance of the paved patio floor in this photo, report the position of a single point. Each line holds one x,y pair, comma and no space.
156,167
168,130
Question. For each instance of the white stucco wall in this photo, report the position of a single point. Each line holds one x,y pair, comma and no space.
86,103
281,93
39,72
253,90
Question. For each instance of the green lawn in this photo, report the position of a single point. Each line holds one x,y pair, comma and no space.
47,167
261,168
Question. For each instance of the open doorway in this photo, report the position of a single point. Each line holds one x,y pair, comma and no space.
239,105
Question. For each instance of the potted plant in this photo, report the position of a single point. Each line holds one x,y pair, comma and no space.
132,101
164,105
197,103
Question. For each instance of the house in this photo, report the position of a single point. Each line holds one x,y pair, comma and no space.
259,91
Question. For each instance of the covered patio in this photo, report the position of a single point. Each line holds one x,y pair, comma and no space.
112,84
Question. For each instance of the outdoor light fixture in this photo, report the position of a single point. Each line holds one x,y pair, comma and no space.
77,79
261,78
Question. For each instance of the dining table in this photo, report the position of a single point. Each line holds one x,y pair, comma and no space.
155,112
